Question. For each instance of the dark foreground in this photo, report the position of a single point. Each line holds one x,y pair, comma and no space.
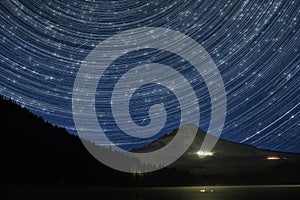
174,193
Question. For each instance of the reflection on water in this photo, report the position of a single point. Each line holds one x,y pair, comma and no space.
162,193
219,193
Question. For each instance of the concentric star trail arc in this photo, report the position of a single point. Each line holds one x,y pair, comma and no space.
255,45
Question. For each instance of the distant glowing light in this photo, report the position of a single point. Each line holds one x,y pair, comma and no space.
203,191
204,153
273,158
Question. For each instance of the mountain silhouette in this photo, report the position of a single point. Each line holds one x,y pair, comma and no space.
36,152
233,161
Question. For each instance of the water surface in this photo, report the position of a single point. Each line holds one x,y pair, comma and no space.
159,193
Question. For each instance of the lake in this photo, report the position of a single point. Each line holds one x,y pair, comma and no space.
172,193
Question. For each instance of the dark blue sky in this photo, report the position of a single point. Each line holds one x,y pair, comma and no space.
255,45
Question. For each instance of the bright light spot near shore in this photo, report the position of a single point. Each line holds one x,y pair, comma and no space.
273,158
204,153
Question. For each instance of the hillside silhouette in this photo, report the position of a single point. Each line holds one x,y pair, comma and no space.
34,152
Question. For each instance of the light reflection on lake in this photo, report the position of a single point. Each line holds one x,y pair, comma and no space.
158,193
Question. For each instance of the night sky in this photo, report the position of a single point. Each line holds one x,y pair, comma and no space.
255,45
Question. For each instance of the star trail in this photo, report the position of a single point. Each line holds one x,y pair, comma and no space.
255,45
